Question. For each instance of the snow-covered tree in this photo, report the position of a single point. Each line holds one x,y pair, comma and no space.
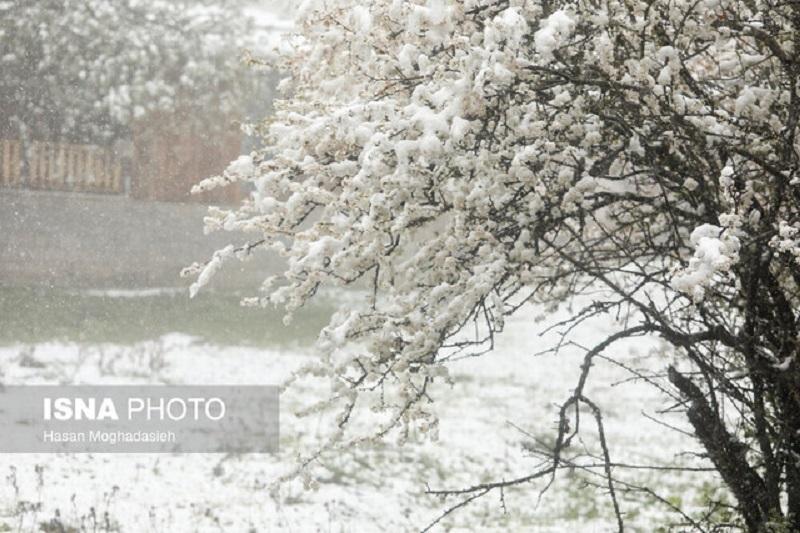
462,158
84,70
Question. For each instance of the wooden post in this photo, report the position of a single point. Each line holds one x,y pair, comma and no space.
61,165
83,171
52,165
73,176
69,175
31,157
6,173
100,169
75,171
117,177
42,158
15,162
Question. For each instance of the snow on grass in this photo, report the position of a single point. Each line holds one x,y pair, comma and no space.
489,417
133,293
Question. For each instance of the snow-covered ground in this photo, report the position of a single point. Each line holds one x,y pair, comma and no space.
488,417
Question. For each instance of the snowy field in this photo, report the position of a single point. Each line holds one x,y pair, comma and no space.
498,404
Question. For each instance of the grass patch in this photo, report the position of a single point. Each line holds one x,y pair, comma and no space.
34,315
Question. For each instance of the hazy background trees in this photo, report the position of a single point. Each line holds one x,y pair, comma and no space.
84,71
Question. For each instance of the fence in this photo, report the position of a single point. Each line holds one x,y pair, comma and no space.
59,166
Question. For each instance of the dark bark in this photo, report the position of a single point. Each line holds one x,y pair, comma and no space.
728,455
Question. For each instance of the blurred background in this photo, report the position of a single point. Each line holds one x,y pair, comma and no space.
110,111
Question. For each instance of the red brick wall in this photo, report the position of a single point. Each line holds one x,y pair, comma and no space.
170,157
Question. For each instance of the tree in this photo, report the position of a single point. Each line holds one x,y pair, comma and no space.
464,158
83,71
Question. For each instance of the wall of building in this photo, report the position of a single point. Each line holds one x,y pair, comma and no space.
170,155
108,241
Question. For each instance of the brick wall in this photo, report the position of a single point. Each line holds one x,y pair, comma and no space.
169,157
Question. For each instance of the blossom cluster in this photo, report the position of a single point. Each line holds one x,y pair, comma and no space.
458,159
